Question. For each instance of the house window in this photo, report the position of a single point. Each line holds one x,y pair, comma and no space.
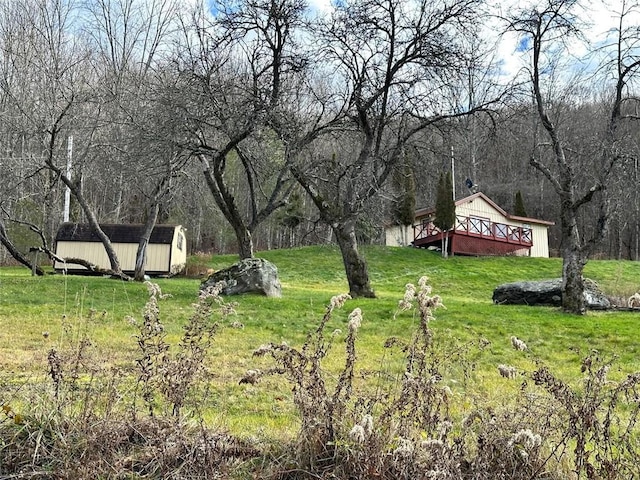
180,241
501,230
479,226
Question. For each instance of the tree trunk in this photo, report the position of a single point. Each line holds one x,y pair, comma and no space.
197,232
355,265
141,254
118,211
573,262
404,235
245,241
77,193
572,284
227,205
152,218
95,226
445,250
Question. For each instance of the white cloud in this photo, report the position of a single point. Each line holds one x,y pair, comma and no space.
598,22
321,6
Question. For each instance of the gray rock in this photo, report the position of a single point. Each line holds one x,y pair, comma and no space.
251,275
547,292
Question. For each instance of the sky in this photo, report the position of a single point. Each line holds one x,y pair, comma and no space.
600,18
321,5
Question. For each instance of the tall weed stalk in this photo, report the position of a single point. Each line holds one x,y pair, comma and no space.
600,419
173,374
321,406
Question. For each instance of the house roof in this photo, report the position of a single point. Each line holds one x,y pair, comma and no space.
426,211
117,233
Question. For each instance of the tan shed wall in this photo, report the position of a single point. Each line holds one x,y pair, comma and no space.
178,255
540,246
157,257
94,252
163,258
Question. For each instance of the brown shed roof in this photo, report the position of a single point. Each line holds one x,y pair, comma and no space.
117,233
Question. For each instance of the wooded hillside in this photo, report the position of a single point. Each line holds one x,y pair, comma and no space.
306,125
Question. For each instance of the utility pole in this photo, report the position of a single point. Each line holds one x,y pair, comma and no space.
67,192
453,174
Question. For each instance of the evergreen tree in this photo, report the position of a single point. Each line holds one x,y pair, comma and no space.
519,209
445,209
451,203
405,203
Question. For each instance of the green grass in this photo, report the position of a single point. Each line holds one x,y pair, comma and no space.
65,307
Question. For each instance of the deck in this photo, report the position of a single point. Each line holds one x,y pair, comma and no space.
475,236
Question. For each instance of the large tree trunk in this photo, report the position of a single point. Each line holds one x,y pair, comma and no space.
226,203
245,241
141,254
573,262
355,265
152,218
95,226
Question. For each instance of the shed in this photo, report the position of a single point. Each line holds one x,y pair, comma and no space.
481,228
166,252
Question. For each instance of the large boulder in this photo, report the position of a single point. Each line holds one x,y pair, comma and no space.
251,275
547,292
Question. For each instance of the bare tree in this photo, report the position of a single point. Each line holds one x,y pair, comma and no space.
394,66
47,96
159,192
546,27
127,36
231,73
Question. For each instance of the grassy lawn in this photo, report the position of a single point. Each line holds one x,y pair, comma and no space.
37,314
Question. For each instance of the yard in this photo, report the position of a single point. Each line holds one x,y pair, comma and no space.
94,327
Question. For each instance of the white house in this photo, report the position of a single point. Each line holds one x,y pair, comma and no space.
481,228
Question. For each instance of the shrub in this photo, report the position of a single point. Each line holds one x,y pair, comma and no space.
158,370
